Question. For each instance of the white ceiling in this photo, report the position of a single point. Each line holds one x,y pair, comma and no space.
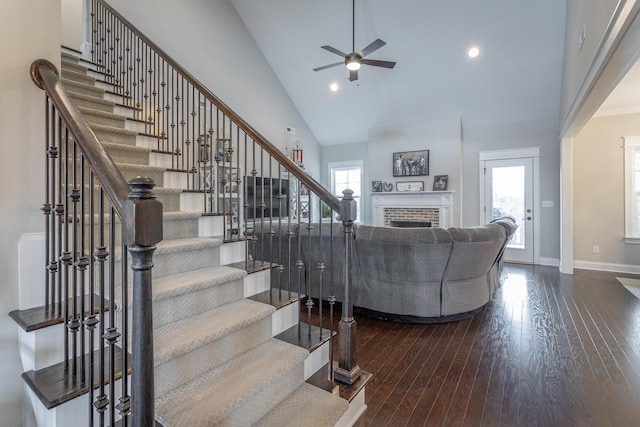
625,98
516,78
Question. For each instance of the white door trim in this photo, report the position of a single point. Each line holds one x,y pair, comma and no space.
517,153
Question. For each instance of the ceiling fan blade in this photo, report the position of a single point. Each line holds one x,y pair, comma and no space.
375,45
353,75
334,50
376,63
324,67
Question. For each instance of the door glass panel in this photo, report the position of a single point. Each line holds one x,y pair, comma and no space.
508,198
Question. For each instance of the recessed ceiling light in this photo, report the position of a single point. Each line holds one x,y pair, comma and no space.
334,87
474,51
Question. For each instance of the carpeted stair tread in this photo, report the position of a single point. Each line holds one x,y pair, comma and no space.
77,76
186,244
111,129
92,101
184,283
103,117
178,338
238,392
318,408
142,168
80,87
68,64
126,153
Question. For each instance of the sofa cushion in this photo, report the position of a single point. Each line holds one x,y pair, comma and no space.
466,285
399,270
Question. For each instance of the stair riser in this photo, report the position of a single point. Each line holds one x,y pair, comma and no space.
173,309
77,76
173,263
83,88
171,229
193,364
71,413
121,154
115,137
89,103
130,171
269,397
116,122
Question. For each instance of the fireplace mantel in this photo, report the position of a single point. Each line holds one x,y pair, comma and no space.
442,200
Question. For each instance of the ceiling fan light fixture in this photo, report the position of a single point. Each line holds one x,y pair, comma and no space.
353,63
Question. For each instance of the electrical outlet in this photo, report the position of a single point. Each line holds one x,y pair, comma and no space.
547,203
596,249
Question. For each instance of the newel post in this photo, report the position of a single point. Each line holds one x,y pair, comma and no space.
347,370
142,229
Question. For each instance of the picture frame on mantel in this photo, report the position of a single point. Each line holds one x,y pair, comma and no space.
440,182
413,186
411,163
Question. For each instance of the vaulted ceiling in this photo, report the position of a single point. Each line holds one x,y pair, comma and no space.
516,77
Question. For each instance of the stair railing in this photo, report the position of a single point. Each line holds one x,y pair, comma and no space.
265,198
92,218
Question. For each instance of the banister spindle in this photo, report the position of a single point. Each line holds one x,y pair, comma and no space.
347,370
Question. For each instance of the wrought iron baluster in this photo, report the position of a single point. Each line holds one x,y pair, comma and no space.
111,335
321,264
124,405
332,297
90,320
46,207
60,218
309,303
102,256
74,323
66,255
83,263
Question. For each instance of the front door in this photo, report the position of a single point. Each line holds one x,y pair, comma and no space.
509,191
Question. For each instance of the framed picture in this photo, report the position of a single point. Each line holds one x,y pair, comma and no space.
411,163
376,186
440,182
410,186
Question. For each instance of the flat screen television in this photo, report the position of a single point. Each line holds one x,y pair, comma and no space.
267,189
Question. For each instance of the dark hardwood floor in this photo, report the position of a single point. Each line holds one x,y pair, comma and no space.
548,350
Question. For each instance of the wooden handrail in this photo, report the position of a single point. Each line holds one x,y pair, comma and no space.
324,194
45,75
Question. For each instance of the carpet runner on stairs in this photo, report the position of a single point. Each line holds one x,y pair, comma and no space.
216,362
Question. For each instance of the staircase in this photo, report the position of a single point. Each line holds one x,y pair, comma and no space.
216,361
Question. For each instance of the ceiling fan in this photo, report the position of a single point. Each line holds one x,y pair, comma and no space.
355,60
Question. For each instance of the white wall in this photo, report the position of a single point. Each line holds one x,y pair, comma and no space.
210,40
541,133
598,191
72,23
441,138
27,32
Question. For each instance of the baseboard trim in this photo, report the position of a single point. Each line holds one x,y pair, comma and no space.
549,262
605,266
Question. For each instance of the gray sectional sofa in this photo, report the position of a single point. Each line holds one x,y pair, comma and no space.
401,274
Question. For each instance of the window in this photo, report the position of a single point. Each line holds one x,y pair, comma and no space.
345,175
632,189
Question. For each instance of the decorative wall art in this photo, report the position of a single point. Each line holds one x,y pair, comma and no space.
411,163
440,182
410,186
376,186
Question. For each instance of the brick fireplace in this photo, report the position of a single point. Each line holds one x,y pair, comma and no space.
433,206
431,215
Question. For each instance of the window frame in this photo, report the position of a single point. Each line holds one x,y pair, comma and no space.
345,165
631,229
